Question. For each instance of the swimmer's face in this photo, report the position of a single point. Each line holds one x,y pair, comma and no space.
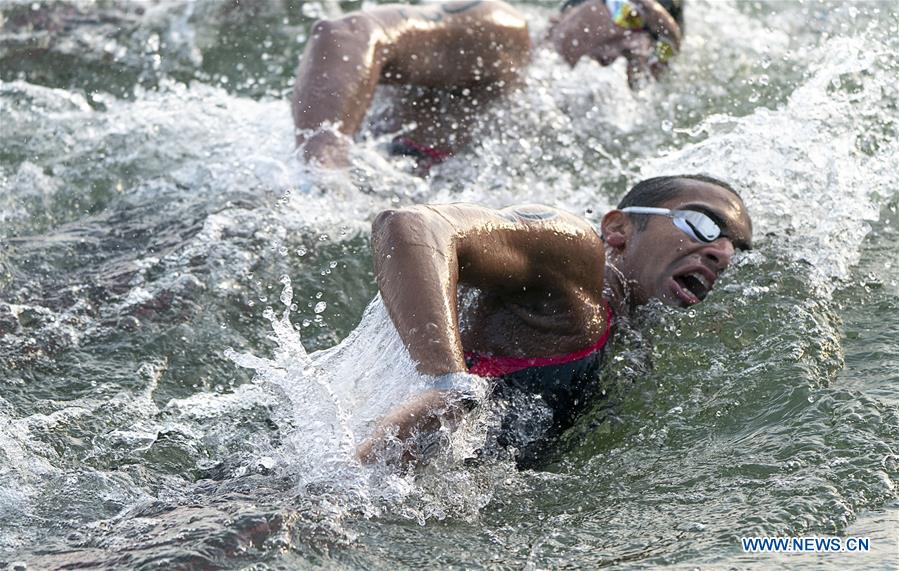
588,30
634,46
661,261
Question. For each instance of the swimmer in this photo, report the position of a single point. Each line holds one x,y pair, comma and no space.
454,59
547,288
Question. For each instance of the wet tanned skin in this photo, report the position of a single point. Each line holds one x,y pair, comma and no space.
541,271
478,46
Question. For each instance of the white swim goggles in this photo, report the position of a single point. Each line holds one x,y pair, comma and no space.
698,226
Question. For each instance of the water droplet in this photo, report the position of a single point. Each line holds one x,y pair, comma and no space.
286,294
301,251
320,307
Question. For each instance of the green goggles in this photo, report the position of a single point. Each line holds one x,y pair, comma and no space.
625,16
698,226
664,51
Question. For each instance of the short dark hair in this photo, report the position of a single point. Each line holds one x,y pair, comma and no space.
676,9
657,190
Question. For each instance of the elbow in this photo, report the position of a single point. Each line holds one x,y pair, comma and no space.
325,31
342,33
393,228
323,35
342,50
391,231
380,227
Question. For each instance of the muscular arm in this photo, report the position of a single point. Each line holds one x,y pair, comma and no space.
451,45
422,253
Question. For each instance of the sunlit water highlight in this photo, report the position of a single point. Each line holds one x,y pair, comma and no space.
182,378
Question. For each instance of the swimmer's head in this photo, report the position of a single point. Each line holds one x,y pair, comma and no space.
647,34
671,237
674,7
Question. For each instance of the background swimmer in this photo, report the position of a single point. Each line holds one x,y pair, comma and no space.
456,58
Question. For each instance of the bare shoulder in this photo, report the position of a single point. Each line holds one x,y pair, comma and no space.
444,11
490,9
477,9
520,223
539,214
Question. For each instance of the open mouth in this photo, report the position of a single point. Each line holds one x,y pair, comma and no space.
694,286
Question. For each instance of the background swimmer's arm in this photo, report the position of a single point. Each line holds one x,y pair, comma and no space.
454,45
422,253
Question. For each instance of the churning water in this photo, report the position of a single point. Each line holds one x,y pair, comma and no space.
172,281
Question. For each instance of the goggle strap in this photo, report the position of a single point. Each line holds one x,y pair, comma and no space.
647,210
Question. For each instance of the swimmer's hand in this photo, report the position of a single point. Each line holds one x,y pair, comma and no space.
325,149
637,49
424,413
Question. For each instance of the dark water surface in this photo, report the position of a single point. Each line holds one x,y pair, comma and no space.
166,264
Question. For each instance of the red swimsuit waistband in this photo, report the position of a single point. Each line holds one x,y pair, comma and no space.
494,366
434,154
